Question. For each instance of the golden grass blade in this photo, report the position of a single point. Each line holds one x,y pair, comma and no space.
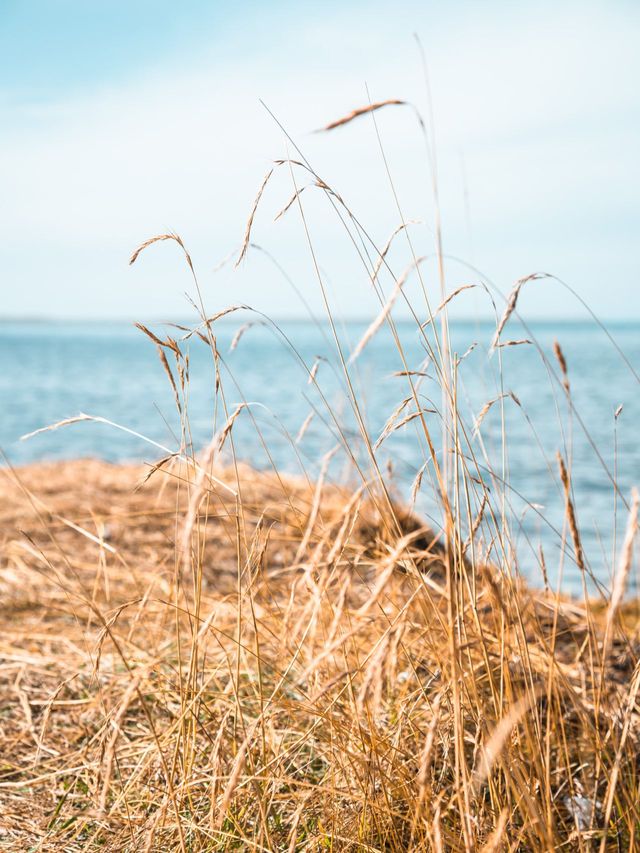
238,335
314,370
172,382
484,411
228,426
624,565
518,343
151,335
557,351
436,826
571,514
427,751
387,247
315,508
293,831
222,313
512,302
417,482
205,324
468,351
57,425
490,751
376,325
350,515
159,238
296,195
386,569
634,689
393,427
475,526
393,417
86,533
256,202
360,111
236,772
198,491
110,748
100,420
304,427
446,301
44,777
495,842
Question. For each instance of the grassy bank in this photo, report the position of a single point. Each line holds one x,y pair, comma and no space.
296,673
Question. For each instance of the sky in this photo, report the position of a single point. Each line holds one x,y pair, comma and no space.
123,120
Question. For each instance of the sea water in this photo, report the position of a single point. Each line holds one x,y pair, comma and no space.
52,371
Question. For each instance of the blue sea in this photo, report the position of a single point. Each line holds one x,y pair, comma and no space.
52,371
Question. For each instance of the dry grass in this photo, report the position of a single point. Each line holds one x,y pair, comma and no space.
301,701
198,657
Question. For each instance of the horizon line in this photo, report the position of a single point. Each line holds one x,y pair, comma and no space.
53,320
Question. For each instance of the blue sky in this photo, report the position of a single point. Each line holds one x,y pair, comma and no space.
122,120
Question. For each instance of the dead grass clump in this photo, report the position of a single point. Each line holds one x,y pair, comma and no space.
306,699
